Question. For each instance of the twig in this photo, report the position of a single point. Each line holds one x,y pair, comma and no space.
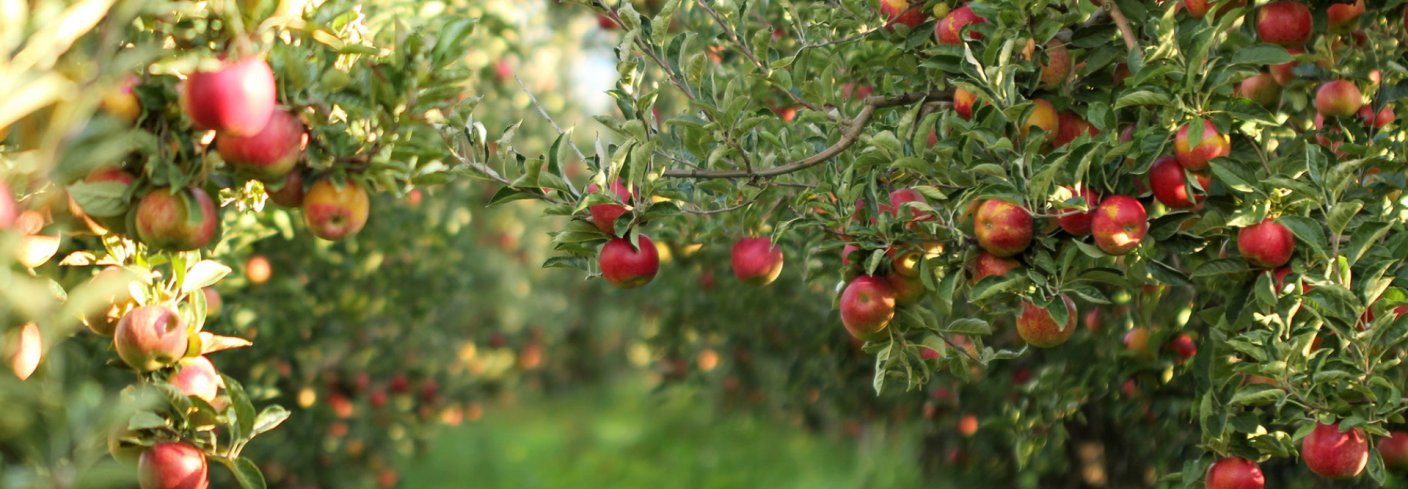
648,50
555,127
1130,40
748,53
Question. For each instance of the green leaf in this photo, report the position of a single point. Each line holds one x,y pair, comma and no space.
204,274
1142,97
969,326
242,416
1225,266
271,417
1256,394
1262,54
1339,216
248,474
1308,231
146,420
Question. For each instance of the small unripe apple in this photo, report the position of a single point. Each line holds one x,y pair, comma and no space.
1058,66
1394,451
181,221
172,465
1284,22
948,29
1119,224
334,213
989,265
1338,98
903,12
1036,326
1384,117
1075,222
24,350
756,260
150,337
1333,454
1261,89
236,99
1136,341
604,215
1170,188
963,101
867,306
1044,117
1235,473
1003,228
268,155
121,103
627,267
196,377
1267,244
1343,16
1283,73
290,194
1196,155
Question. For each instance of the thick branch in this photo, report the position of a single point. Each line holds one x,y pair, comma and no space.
858,124
1131,41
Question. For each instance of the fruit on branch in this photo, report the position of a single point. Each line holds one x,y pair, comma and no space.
902,196
1136,341
1200,8
1394,450
1195,155
1338,98
1076,222
756,260
1036,326
268,155
257,269
903,12
1333,454
236,99
104,320
1341,17
1057,67
1070,126
906,264
846,254
1384,117
290,193
150,337
949,29
1119,224
989,265
121,103
1280,277
1284,22
867,306
23,350
180,221
908,290
604,215
1282,72
967,425
605,23
1003,228
1262,89
196,377
1235,473
963,101
1171,188
1267,244
1183,346
334,213
1043,116
172,465
627,267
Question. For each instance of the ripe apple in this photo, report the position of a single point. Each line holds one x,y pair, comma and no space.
1119,224
1003,228
196,377
963,101
1335,455
104,320
604,215
1183,346
121,103
1058,66
183,220
908,290
1262,89
237,99
1136,341
967,425
1044,117
172,465
948,29
24,350
1235,473
290,194
627,267
1195,156
1267,244
1394,451
902,12
1284,22
1282,72
1170,187
258,269
1075,222
1070,126
1036,326
756,260
1338,98
605,23
150,337
1384,117
989,265
867,306
1343,16
268,155
334,213
897,200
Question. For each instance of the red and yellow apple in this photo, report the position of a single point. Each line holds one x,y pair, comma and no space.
333,213
1166,179
949,29
867,306
1119,224
268,155
1284,22
1235,473
182,220
150,337
628,267
1195,155
756,260
1333,454
1036,326
236,99
172,465
1003,228
1267,244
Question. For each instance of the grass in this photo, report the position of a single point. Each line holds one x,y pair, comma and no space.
626,437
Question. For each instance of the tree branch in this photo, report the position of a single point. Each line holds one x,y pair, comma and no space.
1131,41
748,53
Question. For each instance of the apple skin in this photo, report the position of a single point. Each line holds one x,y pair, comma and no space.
1057,68
1282,72
1284,22
1262,89
1170,188
1136,341
1119,224
1338,98
1069,126
1384,117
1267,244
9,209
258,270
1235,473
897,200
1044,117
756,260
1036,326
948,29
332,213
121,103
1075,222
183,221
989,265
626,267
269,155
867,306
1343,16
604,215
908,290
25,351
1394,451
1184,346
237,99
1335,455
196,377
963,101
901,12
150,337
172,465
290,195
1003,228
1196,157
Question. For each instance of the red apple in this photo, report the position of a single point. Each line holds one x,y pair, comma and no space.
290,194
1119,224
963,101
967,425
237,99
1043,116
756,260
181,221
196,377
1338,98
1284,22
1394,451
1184,346
948,29
604,215
605,23
846,254
1282,72
627,267
1235,473
1335,455
258,269
1267,244
867,306
268,155
1169,186
1280,277
334,213
1003,228
1075,222
1069,126
990,265
1196,155
172,465
1343,16
150,337
1384,117
897,200
1262,89
908,290
902,12
1057,68
24,350
1036,326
